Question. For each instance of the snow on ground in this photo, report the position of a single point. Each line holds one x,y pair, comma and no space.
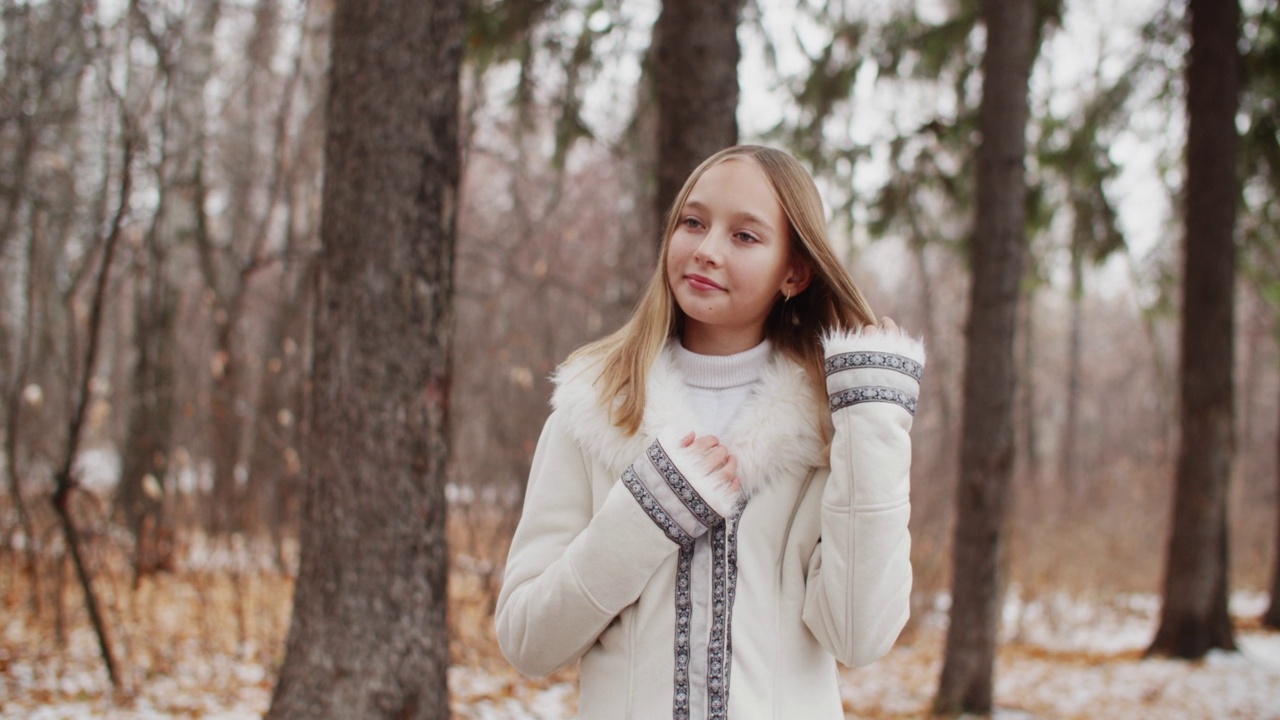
1063,658
40,682
1059,658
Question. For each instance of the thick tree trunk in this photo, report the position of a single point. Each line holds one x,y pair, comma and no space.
695,75
368,637
1194,618
987,454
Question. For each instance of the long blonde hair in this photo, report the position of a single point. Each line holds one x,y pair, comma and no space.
831,302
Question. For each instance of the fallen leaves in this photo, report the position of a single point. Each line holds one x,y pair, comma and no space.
206,641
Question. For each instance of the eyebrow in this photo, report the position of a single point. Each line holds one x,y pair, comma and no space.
741,216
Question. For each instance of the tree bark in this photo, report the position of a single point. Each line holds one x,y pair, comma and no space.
14,402
145,462
368,637
1194,618
1068,459
999,254
1272,617
695,74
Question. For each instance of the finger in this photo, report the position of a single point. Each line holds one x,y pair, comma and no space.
687,440
730,470
728,474
717,457
887,324
705,443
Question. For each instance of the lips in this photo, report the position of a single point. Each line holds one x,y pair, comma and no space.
702,283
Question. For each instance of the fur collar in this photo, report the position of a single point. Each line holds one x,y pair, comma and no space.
776,433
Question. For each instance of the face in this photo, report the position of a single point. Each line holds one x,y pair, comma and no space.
729,259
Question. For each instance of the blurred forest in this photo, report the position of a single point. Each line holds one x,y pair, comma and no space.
161,169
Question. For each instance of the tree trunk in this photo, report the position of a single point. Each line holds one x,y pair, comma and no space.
189,220
987,454
145,460
695,75
226,426
1027,418
1068,459
12,437
273,459
368,637
1272,617
1194,616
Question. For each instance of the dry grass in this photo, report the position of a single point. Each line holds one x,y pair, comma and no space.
216,627
209,637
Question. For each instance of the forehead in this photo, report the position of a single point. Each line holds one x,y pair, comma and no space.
738,182
734,167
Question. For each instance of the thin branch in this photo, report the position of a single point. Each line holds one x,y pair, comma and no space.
65,481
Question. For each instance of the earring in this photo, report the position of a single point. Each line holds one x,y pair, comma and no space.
786,296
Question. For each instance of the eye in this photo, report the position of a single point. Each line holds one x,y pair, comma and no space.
691,222
747,237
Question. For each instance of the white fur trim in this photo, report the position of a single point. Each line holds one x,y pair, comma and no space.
578,399
781,429
873,339
776,433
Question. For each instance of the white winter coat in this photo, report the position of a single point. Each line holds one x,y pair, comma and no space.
683,602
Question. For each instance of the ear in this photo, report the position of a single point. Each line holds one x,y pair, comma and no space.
798,277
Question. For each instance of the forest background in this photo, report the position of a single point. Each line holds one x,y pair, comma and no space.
160,206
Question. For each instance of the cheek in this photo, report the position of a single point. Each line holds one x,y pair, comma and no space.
678,245
673,268
678,252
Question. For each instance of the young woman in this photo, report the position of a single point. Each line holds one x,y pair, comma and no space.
717,508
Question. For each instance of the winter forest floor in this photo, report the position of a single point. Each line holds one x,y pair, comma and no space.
205,640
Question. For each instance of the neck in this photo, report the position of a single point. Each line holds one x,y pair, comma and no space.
706,340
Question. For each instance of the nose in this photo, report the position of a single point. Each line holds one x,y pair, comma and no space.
710,250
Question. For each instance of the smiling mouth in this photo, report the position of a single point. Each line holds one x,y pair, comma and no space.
702,283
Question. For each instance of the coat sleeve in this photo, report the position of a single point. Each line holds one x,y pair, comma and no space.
857,594
570,570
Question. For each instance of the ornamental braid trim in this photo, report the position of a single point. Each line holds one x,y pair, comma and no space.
654,509
873,360
682,487
858,395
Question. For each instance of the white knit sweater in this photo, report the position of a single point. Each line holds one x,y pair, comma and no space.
719,385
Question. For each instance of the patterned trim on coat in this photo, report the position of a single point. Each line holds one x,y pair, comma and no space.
857,395
724,578
654,509
724,583
684,630
682,487
864,359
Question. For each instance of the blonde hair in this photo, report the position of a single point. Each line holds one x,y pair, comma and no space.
831,301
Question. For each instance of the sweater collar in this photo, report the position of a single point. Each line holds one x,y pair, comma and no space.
719,372
776,434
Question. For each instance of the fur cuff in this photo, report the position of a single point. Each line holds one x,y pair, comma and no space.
871,339
722,499
676,489
871,365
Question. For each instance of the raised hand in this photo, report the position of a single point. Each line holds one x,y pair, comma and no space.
720,463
